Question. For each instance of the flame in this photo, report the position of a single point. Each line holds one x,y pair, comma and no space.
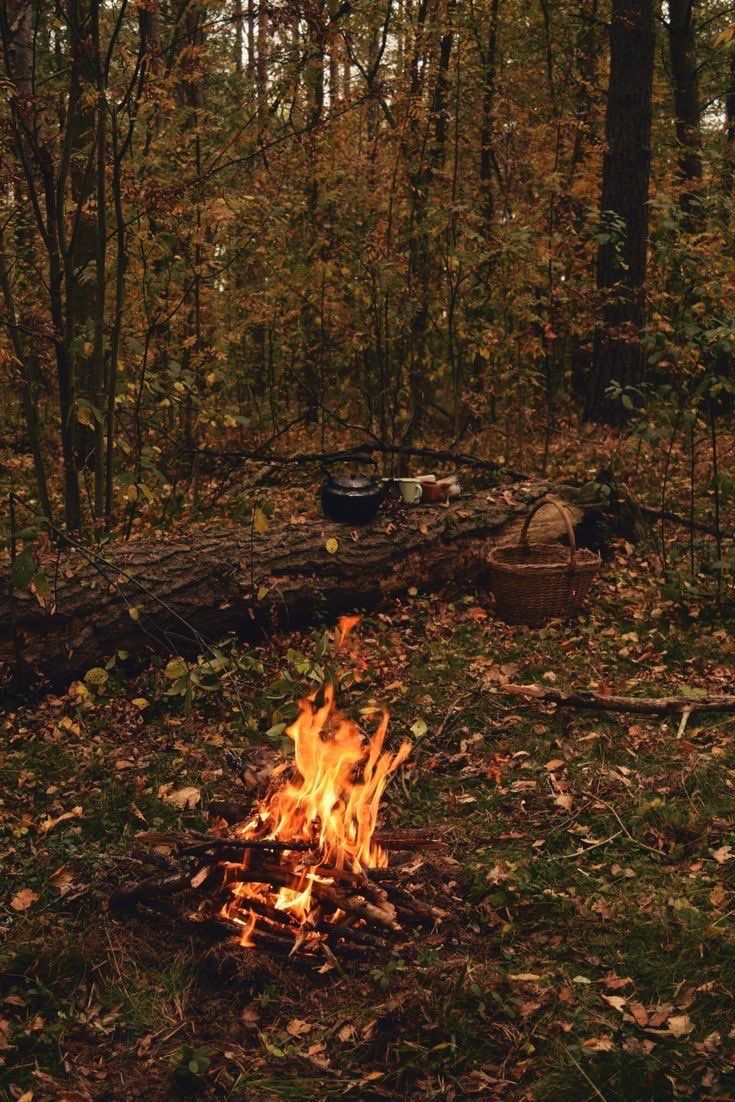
330,803
345,624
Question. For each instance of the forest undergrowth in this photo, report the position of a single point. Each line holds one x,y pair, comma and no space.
590,949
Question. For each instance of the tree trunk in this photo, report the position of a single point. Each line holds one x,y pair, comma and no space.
262,61
728,160
489,91
20,72
621,261
178,592
685,80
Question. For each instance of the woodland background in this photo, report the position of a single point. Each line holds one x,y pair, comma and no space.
412,221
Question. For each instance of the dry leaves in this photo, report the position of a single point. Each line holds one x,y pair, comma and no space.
49,824
185,799
23,899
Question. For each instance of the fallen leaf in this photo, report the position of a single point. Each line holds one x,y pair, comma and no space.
680,1025
598,1044
49,824
260,521
250,1017
717,896
23,899
297,1027
639,1012
183,798
555,764
617,1002
62,879
614,983
659,1016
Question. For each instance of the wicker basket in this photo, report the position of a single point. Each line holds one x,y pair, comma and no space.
533,583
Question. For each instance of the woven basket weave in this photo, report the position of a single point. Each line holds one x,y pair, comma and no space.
533,583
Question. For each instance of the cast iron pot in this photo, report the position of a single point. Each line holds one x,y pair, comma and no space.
352,498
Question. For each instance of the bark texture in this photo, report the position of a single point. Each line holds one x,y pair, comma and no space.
621,260
179,591
685,81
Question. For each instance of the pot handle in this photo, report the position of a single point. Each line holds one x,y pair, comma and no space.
356,458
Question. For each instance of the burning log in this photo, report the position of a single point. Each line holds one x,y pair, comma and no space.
296,874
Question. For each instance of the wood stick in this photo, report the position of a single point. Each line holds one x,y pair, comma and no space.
267,845
384,915
352,933
127,895
405,902
282,918
664,705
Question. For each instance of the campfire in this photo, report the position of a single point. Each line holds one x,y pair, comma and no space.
305,872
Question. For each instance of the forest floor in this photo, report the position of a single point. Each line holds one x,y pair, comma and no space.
593,957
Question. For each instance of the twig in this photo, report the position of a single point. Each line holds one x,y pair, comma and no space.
623,827
459,459
582,852
665,705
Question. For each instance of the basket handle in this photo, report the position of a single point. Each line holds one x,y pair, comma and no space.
563,513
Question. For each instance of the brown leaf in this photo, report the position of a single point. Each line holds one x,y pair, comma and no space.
598,1044
297,1026
62,879
49,823
639,1012
23,899
614,983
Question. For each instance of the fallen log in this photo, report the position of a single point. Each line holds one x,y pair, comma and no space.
636,705
182,591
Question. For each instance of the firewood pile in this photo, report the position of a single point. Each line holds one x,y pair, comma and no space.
352,915
305,872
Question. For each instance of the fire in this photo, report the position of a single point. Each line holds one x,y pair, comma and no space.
328,809
345,624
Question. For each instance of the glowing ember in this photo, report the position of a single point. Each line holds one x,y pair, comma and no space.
328,809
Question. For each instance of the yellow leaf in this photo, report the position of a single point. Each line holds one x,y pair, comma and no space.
260,521
140,702
332,546
134,612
